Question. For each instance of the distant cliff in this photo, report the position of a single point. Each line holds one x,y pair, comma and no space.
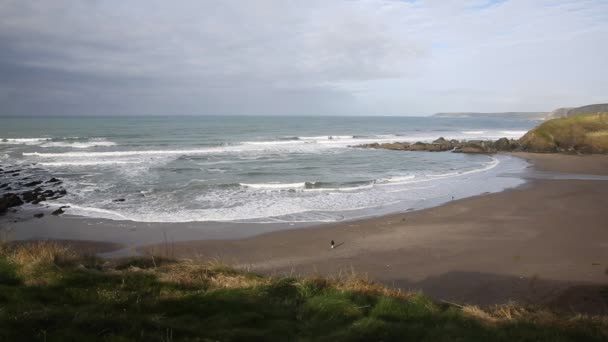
511,115
589,109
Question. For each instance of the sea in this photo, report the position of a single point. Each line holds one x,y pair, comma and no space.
253,169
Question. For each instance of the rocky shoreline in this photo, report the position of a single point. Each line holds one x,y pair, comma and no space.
17,190
458,146
578,134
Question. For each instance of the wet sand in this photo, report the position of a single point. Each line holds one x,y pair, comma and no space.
546,242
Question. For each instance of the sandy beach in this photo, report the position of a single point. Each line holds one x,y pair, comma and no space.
545,242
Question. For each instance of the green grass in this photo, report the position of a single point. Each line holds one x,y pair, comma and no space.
581,133
50,293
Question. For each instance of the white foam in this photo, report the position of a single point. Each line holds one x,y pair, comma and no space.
137,153
328,137
397,179
92,212
517,134
234,204
92,143
88,163
345,188
274,185
473,132
23,141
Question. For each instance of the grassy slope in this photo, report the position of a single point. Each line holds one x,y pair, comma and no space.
48,293
582,133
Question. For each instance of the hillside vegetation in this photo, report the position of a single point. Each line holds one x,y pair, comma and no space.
50,293
579,133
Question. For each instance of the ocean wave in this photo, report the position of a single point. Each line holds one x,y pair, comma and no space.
23,141
88,163
76,144
329,186
274,186
129,153
310,186
514,133
396,179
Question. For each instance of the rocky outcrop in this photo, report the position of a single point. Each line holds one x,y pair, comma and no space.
35,196
8,201
442,145
57,212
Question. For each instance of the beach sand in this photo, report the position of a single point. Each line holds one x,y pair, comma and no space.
543,243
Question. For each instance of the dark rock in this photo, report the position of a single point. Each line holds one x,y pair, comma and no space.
34,183
58,212
475,146
119,200
9,200
38,189
441,140
8,188
53,180
39,215
502,144
62,192
15,174
28,196
3,185
48,193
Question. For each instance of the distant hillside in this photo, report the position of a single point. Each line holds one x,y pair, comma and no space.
512,115
579,133
589,109
559,113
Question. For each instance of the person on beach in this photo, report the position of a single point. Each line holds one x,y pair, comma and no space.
332,244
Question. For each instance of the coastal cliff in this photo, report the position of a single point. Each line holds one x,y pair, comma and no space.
579,134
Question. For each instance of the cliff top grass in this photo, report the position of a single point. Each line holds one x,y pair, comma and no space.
586,133
51,293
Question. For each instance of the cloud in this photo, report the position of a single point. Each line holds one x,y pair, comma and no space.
308,58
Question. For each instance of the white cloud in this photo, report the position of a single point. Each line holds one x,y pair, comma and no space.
300,57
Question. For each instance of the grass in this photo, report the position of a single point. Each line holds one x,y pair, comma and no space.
50,293
580,133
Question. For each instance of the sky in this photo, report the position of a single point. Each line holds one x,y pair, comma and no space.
307,57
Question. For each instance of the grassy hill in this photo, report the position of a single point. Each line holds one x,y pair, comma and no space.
50,293
579,133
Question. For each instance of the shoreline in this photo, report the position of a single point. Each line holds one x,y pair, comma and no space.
542,243
518,244
135,234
